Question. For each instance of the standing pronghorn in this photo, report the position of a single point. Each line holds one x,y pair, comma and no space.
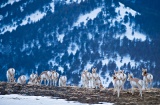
95,77
117,83
135,82
22,79
123,77
10,75
54,78
62,81
86,78
83,78
147,78
44,76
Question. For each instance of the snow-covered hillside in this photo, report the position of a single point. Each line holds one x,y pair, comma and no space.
72,35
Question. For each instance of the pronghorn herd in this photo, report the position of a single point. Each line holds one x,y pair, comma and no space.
88,80
51,77
91,80
119,79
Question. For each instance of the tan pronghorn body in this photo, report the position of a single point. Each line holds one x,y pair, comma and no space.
98,83
62,81
95,78
86,79
44,76
123,77
83,79
117,83
147,78
54,78
33,79
10,75
22,79
135,82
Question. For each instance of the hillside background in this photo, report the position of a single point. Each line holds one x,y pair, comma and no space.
72,35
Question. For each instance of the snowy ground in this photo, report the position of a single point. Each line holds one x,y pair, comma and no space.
15,99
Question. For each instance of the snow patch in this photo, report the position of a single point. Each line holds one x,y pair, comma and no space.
137,35
84,18
9,28
60,38
15,99
53,62
105,61
32,18
61,69
52,6
76,1
9,2
120,61
123,10
88,66
73,48
89,36
126,59
128,34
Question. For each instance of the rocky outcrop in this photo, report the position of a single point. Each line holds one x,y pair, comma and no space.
83,95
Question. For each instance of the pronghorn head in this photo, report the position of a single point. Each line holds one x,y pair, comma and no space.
114,77
94,70
144,72
84,71
121,71
116,72
130,76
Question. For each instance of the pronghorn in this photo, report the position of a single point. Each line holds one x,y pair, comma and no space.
54,78
123,76
86,78
33,79
98,83
117,74
117,83
83,78
95,76
147,78
22,79
135,82
44,76
10,75
62,81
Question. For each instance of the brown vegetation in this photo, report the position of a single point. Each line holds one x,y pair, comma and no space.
83,95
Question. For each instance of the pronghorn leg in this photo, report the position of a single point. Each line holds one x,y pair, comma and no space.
51,82
41,82
114,90
55,83
44,81
132,90
151,84
118,92
140,90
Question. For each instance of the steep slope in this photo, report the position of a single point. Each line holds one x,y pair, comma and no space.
70,36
